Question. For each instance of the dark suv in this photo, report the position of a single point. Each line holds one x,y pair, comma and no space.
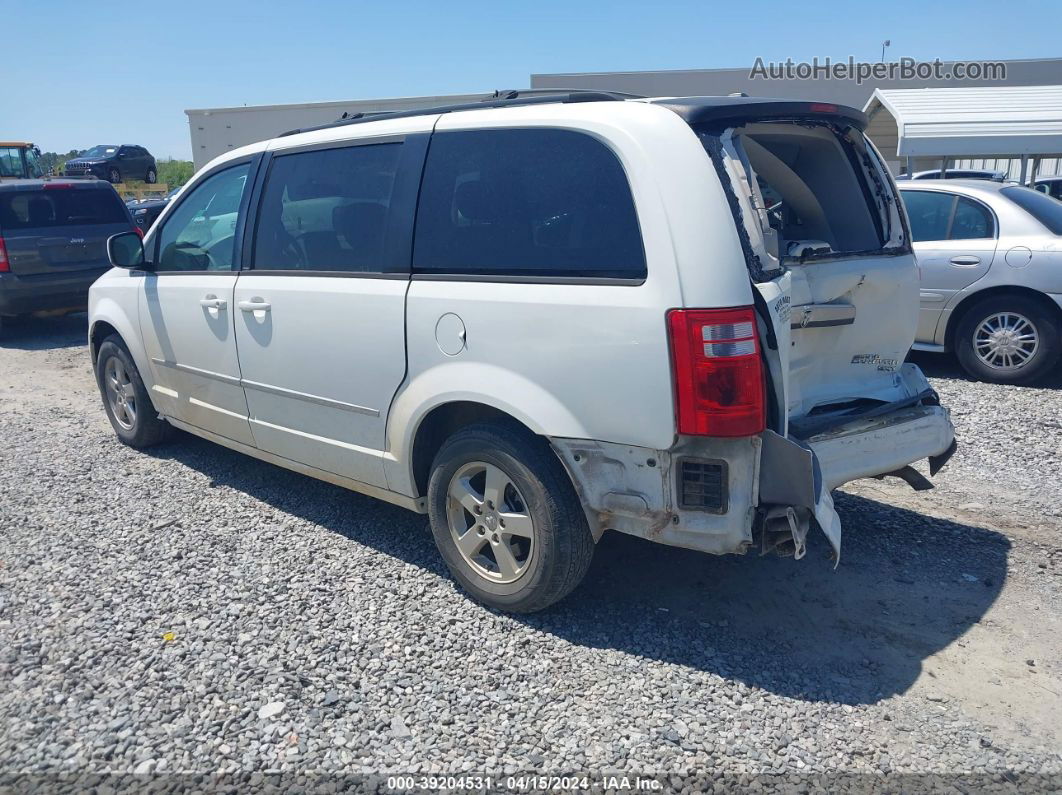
53,242
114,164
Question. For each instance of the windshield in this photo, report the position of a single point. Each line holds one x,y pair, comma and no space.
1043,208
101,151
10,161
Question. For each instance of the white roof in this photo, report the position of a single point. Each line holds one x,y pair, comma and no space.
997,121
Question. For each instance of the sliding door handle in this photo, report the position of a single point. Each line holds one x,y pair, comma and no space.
213,303
257,305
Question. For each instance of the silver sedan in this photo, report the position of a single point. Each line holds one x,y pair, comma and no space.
991,260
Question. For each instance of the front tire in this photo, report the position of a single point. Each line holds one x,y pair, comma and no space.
1008,339
114,176
506,518
125,398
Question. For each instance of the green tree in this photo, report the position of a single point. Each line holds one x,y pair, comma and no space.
174,172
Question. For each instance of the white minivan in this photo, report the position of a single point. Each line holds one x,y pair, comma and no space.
539,318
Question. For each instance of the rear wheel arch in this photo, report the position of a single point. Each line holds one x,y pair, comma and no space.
442,422
957,314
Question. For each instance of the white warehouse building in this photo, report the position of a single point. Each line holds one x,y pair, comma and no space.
218,130
215,131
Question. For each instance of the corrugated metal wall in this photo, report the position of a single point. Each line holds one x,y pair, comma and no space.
1049,166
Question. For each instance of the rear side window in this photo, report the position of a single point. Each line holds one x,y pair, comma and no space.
526,202
327,210
929,214
60,207
1043,208
972,220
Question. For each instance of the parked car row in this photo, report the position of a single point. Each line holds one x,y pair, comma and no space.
114,163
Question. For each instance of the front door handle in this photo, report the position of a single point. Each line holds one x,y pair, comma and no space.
966,260
213,303
257,305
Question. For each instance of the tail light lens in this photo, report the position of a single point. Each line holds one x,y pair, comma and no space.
5,264
719,386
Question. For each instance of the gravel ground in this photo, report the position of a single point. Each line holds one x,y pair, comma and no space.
194,611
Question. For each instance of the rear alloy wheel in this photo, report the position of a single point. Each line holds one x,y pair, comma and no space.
1007,340
151,177
125,398
489,522
114,176
506,518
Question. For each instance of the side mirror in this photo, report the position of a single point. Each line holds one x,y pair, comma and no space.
126,250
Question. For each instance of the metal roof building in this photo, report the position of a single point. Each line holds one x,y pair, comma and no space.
924,126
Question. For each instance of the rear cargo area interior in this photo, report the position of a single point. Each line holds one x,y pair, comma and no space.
811,190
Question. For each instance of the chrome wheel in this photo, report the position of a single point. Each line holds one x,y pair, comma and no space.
1005,341
120,393
489,522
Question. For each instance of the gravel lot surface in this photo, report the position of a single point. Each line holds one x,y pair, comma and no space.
192,610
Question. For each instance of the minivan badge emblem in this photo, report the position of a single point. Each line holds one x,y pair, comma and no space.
75,240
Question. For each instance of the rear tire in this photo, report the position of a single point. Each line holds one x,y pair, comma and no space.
506,518
152,177
125,398
1008,339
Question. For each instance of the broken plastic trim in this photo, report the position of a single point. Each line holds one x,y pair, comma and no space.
911,476
714,147
937,462
808,427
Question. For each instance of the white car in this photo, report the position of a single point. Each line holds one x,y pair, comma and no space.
540,318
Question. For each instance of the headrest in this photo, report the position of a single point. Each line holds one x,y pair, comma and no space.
476,201
360,221
40,210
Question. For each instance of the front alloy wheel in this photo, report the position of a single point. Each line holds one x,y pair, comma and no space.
489,522
132,415
121,395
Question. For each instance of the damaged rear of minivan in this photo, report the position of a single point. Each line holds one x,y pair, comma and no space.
836,293
808,388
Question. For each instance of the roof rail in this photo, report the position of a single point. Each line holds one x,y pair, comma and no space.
499,99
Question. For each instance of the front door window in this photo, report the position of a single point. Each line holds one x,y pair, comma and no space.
200,233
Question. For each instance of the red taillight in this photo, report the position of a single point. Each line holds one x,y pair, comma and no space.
719,387
822,107
139,231
57,185
5,264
